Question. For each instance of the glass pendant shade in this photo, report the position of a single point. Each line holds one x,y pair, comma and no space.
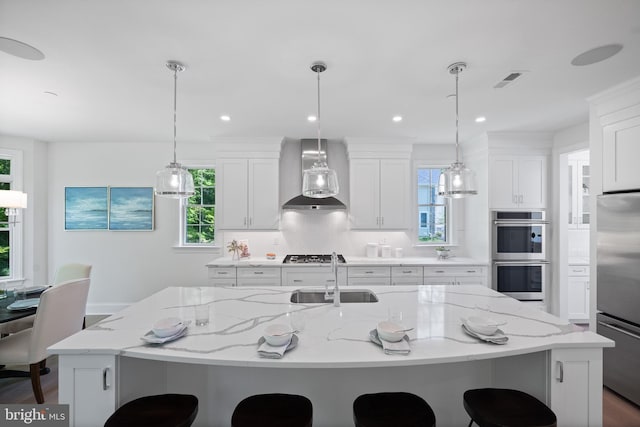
320,181
457,181
174,181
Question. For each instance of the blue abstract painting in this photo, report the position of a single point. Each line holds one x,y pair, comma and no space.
131,208
85,208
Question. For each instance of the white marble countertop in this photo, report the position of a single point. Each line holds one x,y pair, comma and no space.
333,337
351,261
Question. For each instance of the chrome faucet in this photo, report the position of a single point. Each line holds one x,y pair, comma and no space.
336,289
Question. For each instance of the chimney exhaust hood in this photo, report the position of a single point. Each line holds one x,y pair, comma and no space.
309,149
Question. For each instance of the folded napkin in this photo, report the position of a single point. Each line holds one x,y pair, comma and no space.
272,352
399,347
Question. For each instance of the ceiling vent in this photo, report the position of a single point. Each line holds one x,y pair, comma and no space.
509,79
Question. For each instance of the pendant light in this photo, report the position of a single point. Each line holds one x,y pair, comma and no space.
457,181
319,181
174,181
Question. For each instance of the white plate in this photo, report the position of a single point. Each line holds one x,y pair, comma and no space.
151,338
35,289
498,338
24,304
292,344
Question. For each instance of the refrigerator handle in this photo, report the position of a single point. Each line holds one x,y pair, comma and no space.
619,329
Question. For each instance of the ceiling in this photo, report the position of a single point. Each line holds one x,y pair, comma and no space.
250,59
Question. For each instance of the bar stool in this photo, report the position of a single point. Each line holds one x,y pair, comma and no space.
164,410
273,410
392,409
498,407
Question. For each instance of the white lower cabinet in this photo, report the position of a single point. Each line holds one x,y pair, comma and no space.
407,275
222,276
369,276
95,375
578,293
576,386
459,275
313,276
258,276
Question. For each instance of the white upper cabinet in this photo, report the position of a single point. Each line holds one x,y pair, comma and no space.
579,183
518,182
380,193
620,154
247,194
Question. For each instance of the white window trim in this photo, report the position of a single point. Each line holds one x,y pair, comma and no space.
451,238
214,246
16,242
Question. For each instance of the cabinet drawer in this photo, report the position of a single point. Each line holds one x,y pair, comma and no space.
406,272
222,272
407,280
578,270
259,272
369,272
223,282
454,271
369,281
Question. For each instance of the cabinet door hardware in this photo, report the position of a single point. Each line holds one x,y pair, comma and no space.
106,385
559,371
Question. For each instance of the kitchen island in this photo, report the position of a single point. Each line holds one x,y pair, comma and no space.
107,364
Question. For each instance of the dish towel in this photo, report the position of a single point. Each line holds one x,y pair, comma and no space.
399,347
272,352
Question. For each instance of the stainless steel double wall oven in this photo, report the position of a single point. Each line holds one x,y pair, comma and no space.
519,250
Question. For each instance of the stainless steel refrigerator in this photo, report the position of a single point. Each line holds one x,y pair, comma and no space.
618,301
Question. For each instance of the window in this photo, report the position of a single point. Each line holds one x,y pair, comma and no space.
433,210
199,210
10,227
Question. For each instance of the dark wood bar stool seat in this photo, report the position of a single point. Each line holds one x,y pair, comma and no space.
164,410
273,410
498,407
392,409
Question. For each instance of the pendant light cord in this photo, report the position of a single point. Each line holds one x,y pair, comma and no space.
318,118
457,144
175,103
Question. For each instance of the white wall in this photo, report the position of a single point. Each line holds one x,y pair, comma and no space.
128,266
35,268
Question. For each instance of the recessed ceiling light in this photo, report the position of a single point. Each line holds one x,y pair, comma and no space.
480,119
596,54
312,118
397,119
20,49
225,118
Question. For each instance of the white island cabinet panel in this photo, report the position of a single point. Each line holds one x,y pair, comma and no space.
89,385
334,359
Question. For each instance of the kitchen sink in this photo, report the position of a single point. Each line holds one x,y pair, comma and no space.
310,296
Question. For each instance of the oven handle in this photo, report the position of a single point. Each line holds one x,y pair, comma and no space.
520,262
519,222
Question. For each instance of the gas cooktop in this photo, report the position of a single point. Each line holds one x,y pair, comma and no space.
311,259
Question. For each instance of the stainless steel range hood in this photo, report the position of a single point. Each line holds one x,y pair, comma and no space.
309,153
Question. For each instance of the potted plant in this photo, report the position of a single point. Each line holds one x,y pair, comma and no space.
442,252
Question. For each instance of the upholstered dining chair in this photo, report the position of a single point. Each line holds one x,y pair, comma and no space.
60,314
63,274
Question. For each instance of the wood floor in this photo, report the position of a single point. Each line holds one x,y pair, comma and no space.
617,411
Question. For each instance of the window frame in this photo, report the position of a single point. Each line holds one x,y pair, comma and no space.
448,206
182,233
16,228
